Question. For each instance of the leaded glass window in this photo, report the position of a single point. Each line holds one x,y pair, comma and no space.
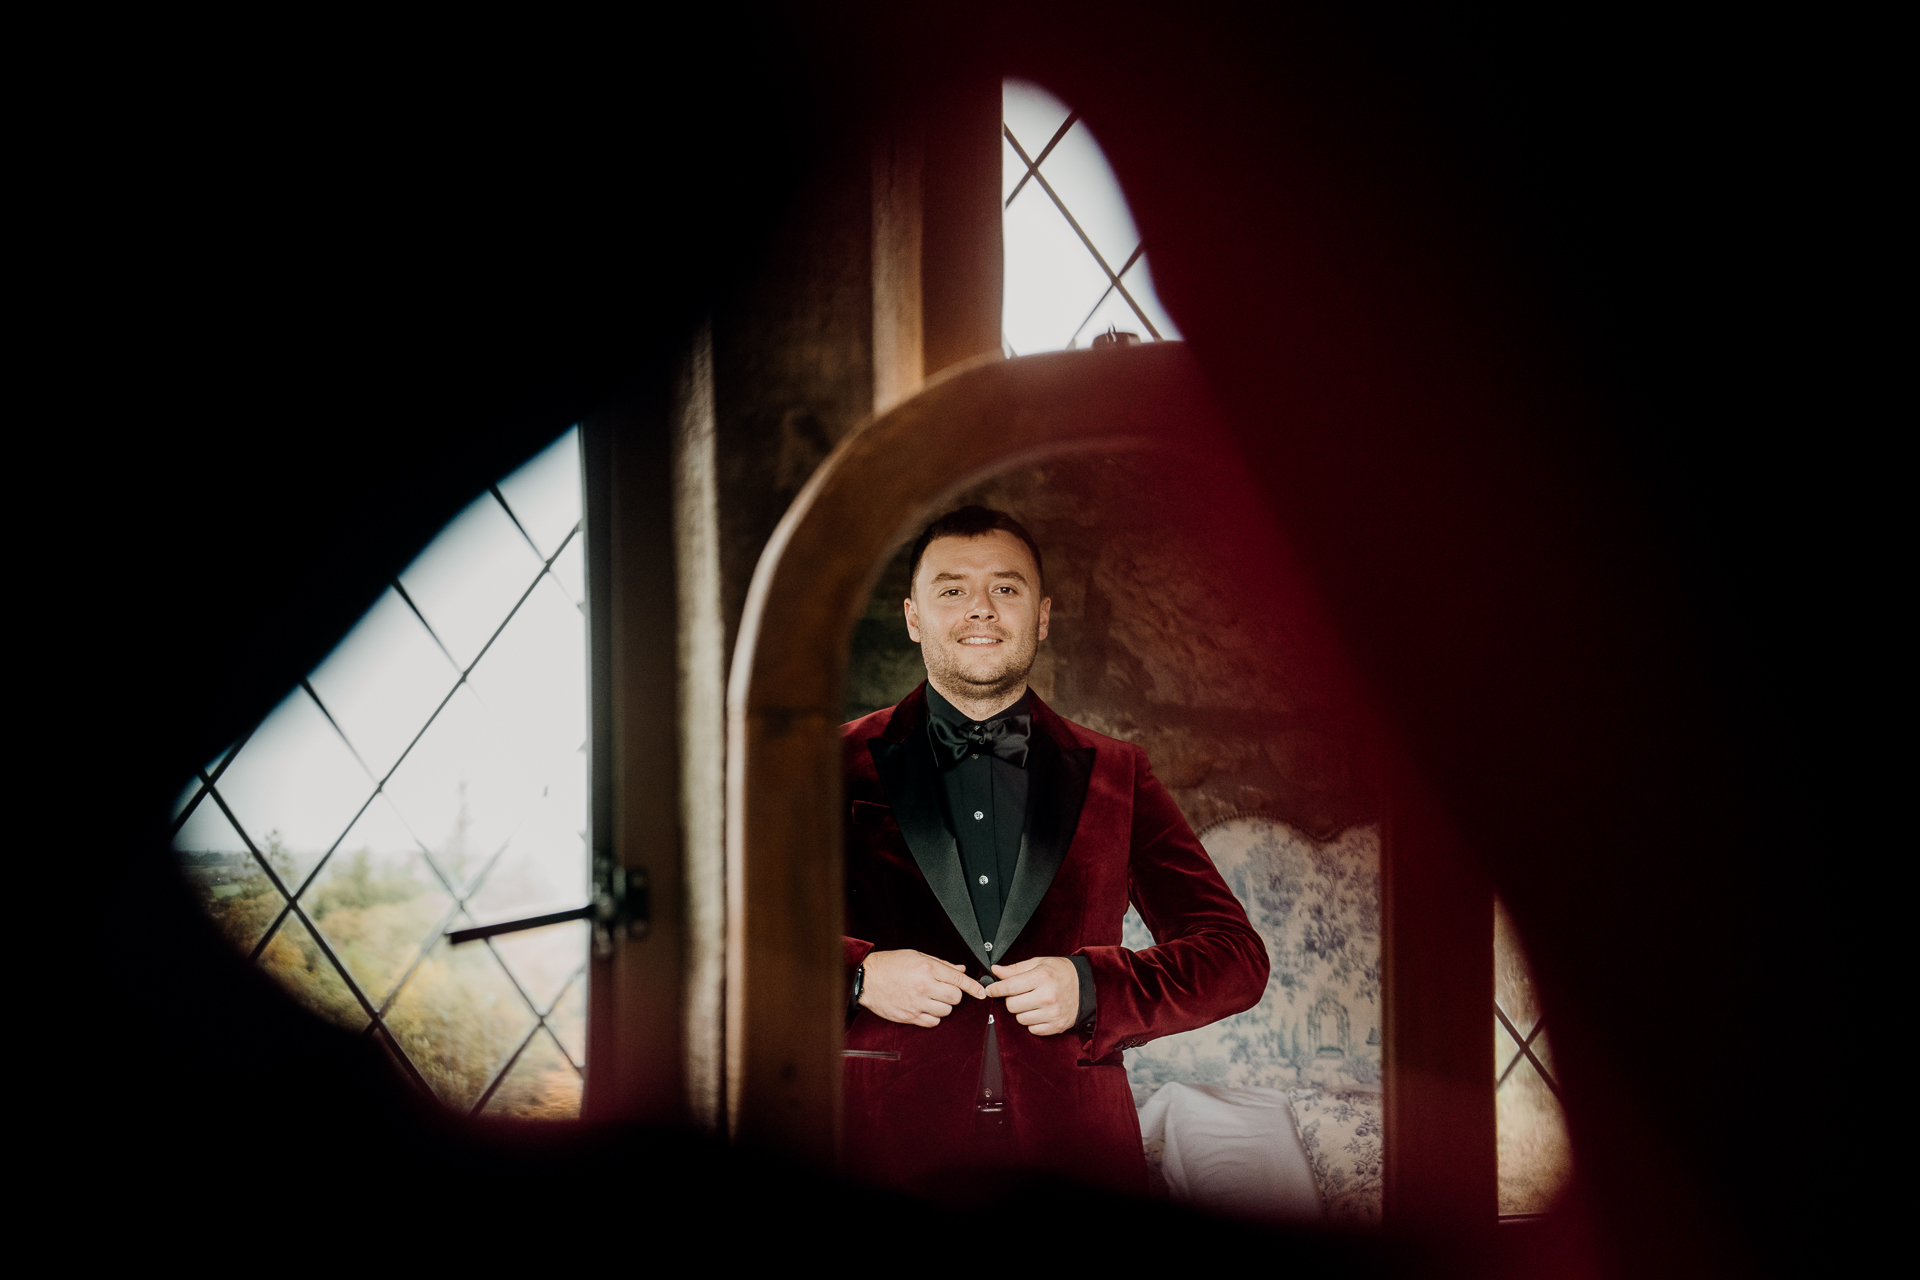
429,775
1075,266
1535,1153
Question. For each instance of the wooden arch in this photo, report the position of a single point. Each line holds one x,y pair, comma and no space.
785,995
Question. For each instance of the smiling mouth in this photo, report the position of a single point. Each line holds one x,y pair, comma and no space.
980,640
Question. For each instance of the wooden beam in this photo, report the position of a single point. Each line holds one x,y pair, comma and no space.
1437,956
636,1061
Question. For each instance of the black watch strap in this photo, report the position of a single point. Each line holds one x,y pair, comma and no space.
859,985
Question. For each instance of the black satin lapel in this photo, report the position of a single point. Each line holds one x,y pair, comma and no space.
912,784
1054,798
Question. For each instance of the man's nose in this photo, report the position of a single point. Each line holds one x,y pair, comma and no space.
981,607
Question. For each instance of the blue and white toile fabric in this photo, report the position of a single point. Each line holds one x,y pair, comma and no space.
1315,1035
1317,905
1343,1134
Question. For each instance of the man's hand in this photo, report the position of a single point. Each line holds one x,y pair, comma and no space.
1043,994
911,986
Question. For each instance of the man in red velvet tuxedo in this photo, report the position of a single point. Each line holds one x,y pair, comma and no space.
992,848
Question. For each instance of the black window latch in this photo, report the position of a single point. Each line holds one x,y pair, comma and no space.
621,908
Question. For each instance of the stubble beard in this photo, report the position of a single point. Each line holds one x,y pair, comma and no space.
1009,675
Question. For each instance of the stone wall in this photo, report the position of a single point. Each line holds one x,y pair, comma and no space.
1158,636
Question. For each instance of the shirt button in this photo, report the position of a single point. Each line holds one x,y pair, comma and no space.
977,815
989,946
983,879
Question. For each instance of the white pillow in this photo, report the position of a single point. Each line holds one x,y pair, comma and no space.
1231,1151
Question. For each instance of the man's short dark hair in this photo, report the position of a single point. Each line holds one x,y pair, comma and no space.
972,522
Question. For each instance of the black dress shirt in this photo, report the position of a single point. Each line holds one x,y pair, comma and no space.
987,813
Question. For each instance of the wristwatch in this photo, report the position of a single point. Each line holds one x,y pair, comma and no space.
859,985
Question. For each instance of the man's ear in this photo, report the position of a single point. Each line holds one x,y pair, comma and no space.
1046,610
913,622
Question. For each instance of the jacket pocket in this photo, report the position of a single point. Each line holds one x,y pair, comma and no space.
873,815
886,1054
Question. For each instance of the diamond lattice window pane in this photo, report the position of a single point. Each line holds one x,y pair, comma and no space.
294,788
383,681
1139,282
378,902
207,830
545,493
225,877
467,580
542,1085
1079,174
544,866
1053,280
1543,1050
489,794
1033,114
1513,986
569,1020
570,571
533,679
544,961
188,794
459,1018
295,959
1012,169
1534,1150
1505,1050
464,788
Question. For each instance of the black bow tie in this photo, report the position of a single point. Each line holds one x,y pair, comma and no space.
1005,737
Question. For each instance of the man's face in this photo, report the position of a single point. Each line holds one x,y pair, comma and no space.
977,613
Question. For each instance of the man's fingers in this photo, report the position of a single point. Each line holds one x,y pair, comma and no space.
971,987
913,987
1032,1000
958,978
1015,985
942,983
1041,1022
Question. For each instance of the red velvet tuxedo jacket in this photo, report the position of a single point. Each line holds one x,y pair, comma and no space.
1101,831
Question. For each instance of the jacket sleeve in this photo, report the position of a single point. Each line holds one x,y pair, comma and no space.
856,951
1207,963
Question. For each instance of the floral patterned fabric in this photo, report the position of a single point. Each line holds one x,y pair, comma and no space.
1343,1135
1316,1031
1318,908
